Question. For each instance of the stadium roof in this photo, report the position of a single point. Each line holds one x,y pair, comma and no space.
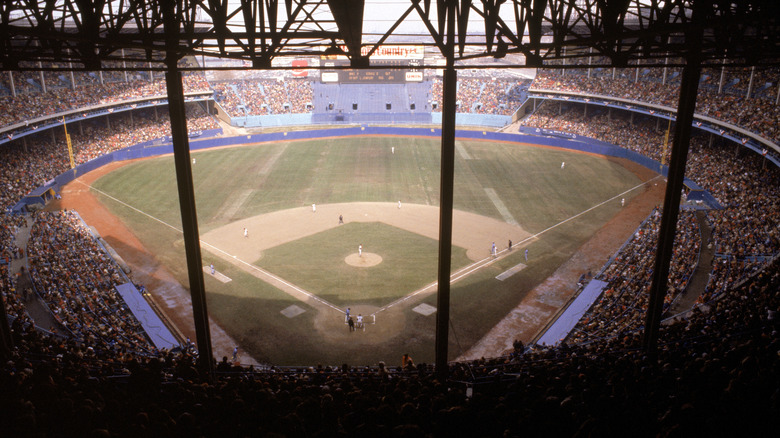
142,34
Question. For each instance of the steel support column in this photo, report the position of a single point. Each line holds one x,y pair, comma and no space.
445,204
189,217
663,256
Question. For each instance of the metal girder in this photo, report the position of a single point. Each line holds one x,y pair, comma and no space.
189,217
446,197
348,15
91,34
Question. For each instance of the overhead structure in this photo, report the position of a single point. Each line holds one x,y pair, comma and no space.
135,35
130,35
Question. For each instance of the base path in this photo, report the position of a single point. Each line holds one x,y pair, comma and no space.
470,231
523,323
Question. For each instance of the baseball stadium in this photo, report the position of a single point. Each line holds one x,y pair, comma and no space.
470,223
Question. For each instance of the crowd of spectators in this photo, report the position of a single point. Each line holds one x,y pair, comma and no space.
759,114
713,374
264,96
76,278
482,95
745,233
9,224
272,96
8,227
643,135
27,163
622,306
31,102
226,96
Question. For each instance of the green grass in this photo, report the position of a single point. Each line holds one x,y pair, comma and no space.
537,193
316,263
527,179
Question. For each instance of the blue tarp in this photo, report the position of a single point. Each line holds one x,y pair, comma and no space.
562,326
152,324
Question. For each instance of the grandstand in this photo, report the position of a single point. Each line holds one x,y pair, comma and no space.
379,103
85,353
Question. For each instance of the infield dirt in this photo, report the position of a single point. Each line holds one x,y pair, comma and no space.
523,323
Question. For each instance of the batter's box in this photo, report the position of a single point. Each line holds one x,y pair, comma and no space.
425,309
292,311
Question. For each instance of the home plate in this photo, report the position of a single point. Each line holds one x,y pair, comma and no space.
510,272
292,311
218,275
425,309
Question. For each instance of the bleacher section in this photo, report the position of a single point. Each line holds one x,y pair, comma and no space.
379,103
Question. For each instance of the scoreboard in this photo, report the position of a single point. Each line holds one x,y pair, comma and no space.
386,71
387,67
388,74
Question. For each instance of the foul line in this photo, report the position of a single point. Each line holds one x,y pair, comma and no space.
468,270
590,209
455,276
129,206
272,276
215,249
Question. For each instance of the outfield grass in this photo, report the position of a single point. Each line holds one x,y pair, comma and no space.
241,182
527,179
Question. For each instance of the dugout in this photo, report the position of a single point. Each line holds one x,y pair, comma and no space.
37,199
698,197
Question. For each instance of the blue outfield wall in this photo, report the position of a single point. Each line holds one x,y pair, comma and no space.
253,121
155,148
469,119
304,119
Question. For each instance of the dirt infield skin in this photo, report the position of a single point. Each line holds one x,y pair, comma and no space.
523,323
470,231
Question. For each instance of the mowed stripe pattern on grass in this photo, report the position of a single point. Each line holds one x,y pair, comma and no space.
528,181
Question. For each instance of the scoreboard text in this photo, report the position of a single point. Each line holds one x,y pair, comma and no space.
385,71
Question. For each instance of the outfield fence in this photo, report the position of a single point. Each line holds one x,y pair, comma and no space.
211,139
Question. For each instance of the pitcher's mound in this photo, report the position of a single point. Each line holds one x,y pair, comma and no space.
368,259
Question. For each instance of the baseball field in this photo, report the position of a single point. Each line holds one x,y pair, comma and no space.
280,291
